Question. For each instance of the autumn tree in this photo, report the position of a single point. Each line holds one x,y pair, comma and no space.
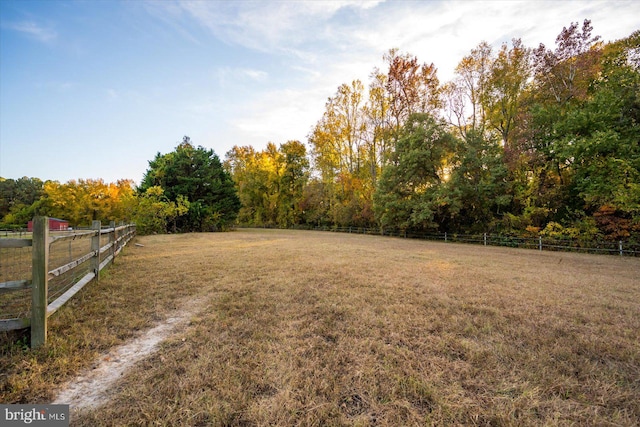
378,134
241,162
565,73
468,94
293,181
270,183
343,153
506,83
597,140
85,200
411,87
561,81
155,213
337,138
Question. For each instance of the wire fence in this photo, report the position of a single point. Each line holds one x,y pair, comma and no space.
74,258
541,243
63,252
19,233
15,266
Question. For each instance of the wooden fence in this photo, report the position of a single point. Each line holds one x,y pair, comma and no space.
70,273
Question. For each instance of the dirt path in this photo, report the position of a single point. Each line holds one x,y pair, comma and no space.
91,388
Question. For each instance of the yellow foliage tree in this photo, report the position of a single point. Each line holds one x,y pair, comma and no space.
86,200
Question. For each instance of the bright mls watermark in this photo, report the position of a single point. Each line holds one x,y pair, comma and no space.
34,415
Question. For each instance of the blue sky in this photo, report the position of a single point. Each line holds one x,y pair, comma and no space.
94,89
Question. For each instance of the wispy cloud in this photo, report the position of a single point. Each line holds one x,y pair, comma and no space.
228,76
279,115
273,27
58,87
172,15
33,30
257,75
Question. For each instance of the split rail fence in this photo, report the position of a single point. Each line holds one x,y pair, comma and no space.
50,268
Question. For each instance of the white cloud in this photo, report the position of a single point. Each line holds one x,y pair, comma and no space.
172,15
278,116
322,44
227,77
257,75
33,30
273,27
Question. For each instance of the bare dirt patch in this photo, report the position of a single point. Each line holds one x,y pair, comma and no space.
91,388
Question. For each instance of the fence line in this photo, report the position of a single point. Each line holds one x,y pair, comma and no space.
618,247
65,280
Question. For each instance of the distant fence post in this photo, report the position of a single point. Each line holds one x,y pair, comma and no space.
485,239
95,246
620,247
39,280
539,242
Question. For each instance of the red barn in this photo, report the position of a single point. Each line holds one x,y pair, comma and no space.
55,224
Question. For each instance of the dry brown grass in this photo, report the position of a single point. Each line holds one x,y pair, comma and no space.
313,328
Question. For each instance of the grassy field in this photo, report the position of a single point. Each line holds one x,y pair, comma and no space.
315,328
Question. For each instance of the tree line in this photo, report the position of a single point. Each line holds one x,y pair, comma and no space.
185,190
521,141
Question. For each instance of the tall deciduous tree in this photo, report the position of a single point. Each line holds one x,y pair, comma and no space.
412,87
478,191
293,181
565,73
562,78
337,138
378,135
409,190
468,95
345,156
16,199
154,213
507,81
270,182
85,200
598,139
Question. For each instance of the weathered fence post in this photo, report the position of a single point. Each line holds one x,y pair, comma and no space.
113,239
95,247
39,280
485,239
620,247
540,242
445,236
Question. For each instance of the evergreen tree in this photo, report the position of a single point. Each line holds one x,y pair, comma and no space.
197,175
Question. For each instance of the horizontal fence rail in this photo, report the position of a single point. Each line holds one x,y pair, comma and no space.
608,247
59,263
